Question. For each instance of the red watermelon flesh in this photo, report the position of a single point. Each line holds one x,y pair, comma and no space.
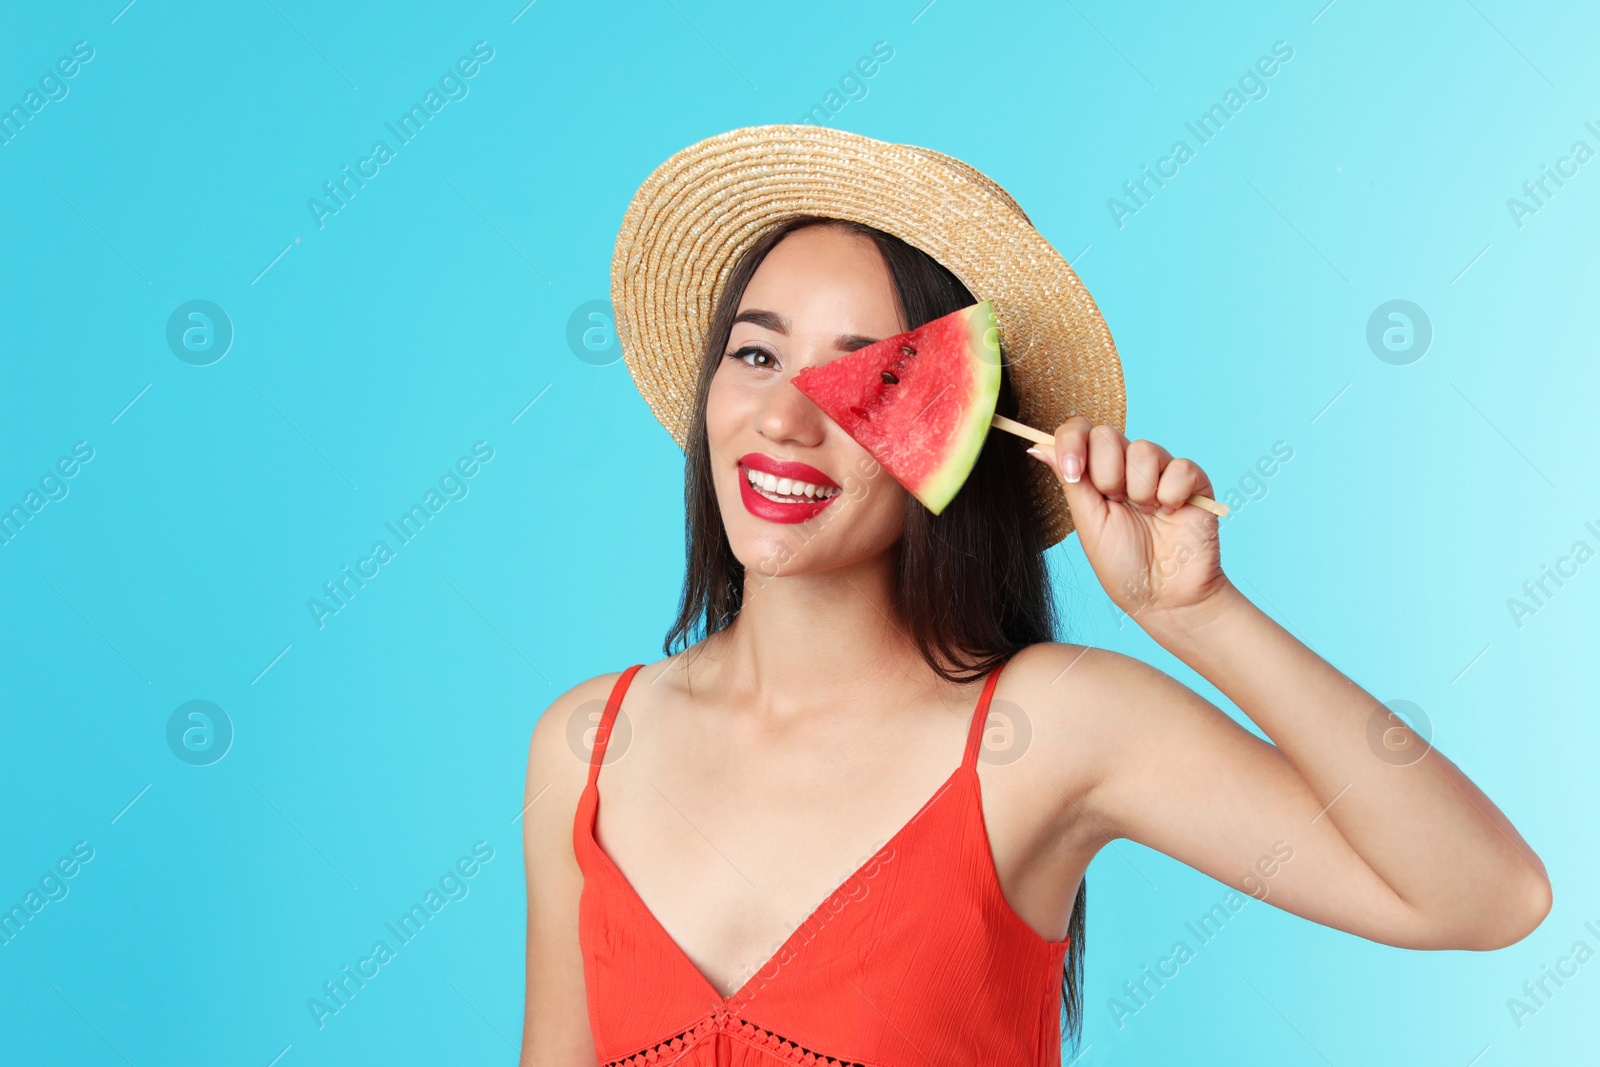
919,402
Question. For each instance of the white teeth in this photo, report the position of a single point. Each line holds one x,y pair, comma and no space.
772,485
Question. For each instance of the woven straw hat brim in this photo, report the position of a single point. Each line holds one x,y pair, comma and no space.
693,218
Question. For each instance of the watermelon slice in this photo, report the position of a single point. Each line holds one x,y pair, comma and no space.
919,402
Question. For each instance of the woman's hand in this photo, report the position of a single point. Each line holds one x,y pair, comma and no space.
1155,554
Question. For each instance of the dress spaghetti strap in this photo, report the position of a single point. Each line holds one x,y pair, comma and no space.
602,734
980,719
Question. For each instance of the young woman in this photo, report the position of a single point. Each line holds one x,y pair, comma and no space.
832,829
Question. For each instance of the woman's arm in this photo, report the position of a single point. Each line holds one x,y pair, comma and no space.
1464,874
555,1030
1388,838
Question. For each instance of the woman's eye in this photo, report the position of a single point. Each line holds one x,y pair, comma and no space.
752,350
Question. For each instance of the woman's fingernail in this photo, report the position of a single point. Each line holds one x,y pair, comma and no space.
1036,454
1072,467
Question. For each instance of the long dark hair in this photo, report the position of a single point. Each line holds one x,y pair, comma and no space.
971,583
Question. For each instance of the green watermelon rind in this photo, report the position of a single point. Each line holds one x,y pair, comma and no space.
942,484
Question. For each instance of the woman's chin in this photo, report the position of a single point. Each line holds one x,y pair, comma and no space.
781,556
772,555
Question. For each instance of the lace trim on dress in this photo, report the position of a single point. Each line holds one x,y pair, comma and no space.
665,1052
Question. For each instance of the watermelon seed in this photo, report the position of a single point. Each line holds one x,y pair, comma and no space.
907,350
889,378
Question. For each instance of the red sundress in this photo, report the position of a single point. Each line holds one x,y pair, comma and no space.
917,960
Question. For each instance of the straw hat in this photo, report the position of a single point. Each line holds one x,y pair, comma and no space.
705,206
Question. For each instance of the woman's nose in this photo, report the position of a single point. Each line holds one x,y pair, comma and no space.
790,415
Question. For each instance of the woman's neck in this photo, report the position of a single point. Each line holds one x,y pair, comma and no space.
804,639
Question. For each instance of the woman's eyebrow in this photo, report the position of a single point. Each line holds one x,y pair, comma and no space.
769,320
849,342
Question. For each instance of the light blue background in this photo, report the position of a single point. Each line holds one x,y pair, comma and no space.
372,352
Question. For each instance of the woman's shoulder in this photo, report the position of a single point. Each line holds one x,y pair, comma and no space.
1065,687
1085,701
559,756
1048,665
564,730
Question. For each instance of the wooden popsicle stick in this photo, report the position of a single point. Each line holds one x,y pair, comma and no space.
1039,437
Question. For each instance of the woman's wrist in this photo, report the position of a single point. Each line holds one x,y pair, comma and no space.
1179,629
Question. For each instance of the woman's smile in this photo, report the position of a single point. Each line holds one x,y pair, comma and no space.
783,490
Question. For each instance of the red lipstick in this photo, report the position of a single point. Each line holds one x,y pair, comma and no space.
763,507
